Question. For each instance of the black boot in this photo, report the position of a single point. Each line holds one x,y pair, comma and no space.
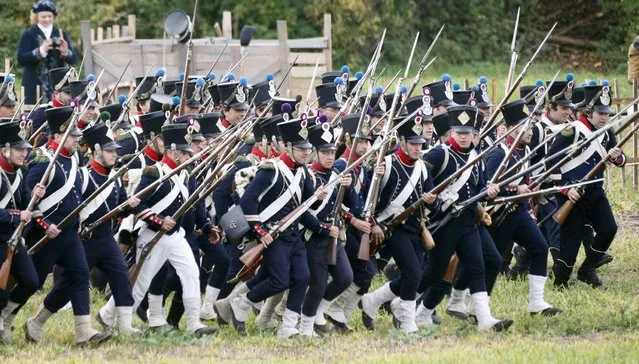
520,269
587,273
562,274
175,313
605,259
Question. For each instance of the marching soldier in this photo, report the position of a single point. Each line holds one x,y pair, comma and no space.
154,214
340,310
405,181
282,186
100,249
320,294
460,235
233,99
194,95
80,91
65,249
518,225
13,203
591,205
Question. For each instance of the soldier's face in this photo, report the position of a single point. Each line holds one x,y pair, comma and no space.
7,111
362,147
525,138
300,155
485,111
182,156
17,156
234,116
463,139
63,97
145,105
330,113
598,119
560,113
108,158
412,150
197,145
191,110
90,114
71,143
427,132
439,109
326,158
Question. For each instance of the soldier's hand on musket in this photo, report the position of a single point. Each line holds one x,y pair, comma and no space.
215,235
133,202
321,193
492,190
361,225
52,231
25,216
266,240
379,170
614,153
522,189
168,224
39,190
573,195
333,232
429,198
377,235
346,181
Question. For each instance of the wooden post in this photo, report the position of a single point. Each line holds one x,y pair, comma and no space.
7,65
100,34
109,34
493,98
328,52
116,31
125,30
465,84
92,34
282,36
131,26
227,24
86,46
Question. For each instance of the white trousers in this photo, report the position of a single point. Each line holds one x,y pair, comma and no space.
177,251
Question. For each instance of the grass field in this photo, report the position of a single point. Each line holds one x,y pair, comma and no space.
596,326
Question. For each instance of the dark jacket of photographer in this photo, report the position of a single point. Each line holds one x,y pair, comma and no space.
36,68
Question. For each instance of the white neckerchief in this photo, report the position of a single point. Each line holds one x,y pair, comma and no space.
47,31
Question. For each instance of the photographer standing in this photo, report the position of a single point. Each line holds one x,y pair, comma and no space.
42,48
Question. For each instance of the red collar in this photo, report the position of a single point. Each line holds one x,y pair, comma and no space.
456,147
347,154
258,153
403,157
169,162
155,156
57,103
81,124
288,161
225,123
6,165
99,168
274,154
318,167
584,120
510,140
54,146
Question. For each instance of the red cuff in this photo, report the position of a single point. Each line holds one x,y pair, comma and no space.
155,219
564,192
14,212
41,222
258,229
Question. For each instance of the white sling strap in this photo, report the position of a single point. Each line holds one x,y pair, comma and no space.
56,197
294,189
396,206
11,189
450,194
97,201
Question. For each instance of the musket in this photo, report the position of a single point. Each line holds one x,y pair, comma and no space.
288,71
544,192
216,60
135,269
151,187
15,113
564,210
124,115
422,67
335,215
490,125
391,81
44,240
188,61
47,172
233,67
32,137
108,99
252,255
310,88
513,54
371,198
504,162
